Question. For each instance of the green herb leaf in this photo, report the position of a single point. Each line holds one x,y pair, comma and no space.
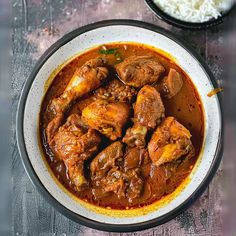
108,51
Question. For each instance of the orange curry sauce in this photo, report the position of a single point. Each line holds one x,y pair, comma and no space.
185,107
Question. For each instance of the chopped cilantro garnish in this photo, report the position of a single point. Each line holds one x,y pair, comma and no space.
111,51
108,51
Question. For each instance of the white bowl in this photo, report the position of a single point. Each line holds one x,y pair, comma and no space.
79,41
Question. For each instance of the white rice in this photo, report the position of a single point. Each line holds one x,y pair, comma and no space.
194,10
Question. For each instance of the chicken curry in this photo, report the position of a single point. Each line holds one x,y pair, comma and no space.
121,125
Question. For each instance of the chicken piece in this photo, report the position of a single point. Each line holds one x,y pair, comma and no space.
106,160
105,170
135,136
116,91
123,184
170,141
138,71
75,139
171,84
108,118
74,143
149,109
114,182
85,79
135,162
158,178
134,184
75,170
135,158
148,113
111,171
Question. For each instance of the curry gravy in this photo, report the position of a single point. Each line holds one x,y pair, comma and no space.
185,107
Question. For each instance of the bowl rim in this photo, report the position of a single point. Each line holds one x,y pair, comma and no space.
33,176
185,24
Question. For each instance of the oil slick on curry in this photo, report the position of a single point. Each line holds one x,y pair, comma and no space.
121,126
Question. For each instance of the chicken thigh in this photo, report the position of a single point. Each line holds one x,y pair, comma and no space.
107,159
74,143
138,71
106,117
135,160
170,141
148,113
114,171
105,170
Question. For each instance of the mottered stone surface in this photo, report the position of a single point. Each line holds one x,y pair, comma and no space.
39,23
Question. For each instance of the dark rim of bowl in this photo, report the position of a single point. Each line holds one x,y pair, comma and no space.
33,176
184,24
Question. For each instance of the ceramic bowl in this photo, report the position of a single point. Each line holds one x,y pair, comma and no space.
77,42
184,24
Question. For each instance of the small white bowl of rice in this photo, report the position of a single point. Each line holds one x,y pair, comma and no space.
194,14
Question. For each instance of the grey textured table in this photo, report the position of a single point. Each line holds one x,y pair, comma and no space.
39,23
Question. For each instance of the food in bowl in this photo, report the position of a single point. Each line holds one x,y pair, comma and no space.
121,125
196,11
